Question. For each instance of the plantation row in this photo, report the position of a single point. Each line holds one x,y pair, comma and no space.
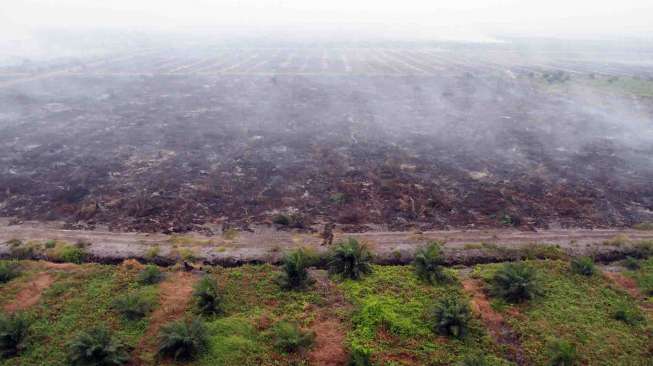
548,312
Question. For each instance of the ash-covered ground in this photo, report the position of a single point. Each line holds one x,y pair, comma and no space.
397,138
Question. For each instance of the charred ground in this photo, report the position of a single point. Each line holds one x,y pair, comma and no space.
426,138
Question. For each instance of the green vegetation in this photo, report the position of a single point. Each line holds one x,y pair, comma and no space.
631,263
628,314
351,260
8,271
392,312
643,276
207,296
360,356
575,309
450,317
561,353
516,282
14,330
474,360
80,298
288,337
583,266
428,263
133,306
97,346
183,339
387,317
70,254
645,226
150,275
295,274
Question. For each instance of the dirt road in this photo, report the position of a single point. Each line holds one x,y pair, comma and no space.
266,244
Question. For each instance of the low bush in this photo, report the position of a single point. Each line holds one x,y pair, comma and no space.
14,330
350,260
628,314
632,263
9,271
292,221
71,254
149,275
360,356
561,353
583,266
97,347
183,340
287,337
295,273
516,282
207,296
474,360
132,306
428,264
450,317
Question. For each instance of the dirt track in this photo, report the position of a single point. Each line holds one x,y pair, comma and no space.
268,245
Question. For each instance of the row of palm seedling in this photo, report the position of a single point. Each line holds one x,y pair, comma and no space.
186,339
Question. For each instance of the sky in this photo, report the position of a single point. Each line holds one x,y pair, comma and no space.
409,18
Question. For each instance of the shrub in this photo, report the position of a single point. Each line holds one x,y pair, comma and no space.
49,244
96,347
287,337
632,263
643,226
13,333
583,266
351,260
293,220
561,353
450,317
132,306
428,263
9,271
71,254
207,296
152,252
149,275
628,315
295,274
473,360
516,282
360,356
183,339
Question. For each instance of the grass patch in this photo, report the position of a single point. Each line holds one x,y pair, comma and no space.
643,276
78,300
391,318
576,309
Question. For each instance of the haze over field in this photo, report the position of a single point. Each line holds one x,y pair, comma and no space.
168,116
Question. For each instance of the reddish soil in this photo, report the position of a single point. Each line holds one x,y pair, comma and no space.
30,293
175,293
493,321
329,349
630,286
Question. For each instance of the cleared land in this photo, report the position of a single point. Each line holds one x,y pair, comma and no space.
370,138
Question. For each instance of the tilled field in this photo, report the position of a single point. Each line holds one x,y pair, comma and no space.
366,138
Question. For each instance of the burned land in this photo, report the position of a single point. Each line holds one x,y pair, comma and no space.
394,138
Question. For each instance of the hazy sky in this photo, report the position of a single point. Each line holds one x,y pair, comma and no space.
410,17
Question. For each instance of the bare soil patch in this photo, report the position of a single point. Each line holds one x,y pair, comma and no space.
494,321
174,295
30,293
630,286
329,348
